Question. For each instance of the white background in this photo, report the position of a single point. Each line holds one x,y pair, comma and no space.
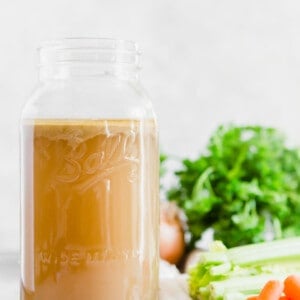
204,62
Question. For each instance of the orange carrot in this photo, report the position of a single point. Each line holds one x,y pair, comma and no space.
292,287
256,298
271,291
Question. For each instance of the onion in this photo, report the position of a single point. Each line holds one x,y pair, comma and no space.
191,259
171,244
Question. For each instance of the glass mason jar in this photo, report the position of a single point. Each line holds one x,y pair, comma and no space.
90,201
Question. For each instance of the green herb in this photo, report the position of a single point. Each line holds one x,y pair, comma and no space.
242,271
246,181
162,159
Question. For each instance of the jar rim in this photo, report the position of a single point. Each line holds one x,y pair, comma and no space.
90,43
87,50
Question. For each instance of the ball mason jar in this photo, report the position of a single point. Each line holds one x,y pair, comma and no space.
89,176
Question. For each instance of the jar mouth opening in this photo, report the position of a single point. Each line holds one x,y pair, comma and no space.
85,50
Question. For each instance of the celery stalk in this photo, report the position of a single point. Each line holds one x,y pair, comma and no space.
242,271
267,251
249,285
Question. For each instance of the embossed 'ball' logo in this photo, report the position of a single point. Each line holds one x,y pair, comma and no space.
115,151
70,171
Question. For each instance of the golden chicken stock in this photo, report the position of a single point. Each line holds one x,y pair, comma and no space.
90,210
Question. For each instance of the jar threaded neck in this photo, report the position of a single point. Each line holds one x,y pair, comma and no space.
100,53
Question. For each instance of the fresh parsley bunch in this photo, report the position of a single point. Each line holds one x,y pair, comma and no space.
246,183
